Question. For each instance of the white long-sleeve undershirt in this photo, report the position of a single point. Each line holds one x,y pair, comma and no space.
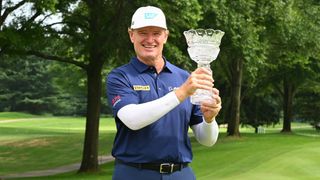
138,116
206,133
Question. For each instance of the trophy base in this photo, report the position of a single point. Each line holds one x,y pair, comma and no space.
201,96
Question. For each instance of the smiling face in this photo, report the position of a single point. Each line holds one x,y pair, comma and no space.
148,43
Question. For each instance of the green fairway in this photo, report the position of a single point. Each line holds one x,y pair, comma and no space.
267,156
49,142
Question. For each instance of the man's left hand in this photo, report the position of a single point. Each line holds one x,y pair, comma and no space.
211,108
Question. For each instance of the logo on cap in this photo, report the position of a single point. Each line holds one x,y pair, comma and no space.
150,15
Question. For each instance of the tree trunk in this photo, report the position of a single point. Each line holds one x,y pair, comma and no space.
90,149
287,105
233,124
96,58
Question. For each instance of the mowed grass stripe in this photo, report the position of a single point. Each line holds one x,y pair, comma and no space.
268,156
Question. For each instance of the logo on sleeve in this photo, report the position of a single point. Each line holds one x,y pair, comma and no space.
141,88
116,100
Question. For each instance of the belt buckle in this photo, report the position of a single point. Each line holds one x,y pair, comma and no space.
166,165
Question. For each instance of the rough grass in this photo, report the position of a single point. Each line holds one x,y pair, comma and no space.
15,115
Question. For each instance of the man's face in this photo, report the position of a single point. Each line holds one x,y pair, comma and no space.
148,42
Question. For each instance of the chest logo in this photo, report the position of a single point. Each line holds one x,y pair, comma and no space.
170,88
141,88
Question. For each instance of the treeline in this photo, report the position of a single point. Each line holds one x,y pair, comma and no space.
43,87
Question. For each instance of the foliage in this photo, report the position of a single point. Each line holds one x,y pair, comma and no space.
243,52
71,41
308,104
276,39
33,86
24,88
292,32
260,109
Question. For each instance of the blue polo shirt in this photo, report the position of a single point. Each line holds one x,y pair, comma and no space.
165,140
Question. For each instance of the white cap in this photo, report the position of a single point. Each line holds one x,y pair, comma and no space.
148,16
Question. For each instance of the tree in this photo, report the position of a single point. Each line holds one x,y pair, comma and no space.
242,49
292,28
279,36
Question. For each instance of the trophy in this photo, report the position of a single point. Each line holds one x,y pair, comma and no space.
203,48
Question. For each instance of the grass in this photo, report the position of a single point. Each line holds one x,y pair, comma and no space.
267,156
15,115
42,143
49,142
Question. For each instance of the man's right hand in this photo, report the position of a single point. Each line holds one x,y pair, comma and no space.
201,78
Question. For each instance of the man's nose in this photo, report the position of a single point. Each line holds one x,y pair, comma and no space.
149,38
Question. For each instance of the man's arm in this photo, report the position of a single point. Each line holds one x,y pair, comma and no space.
137,116
206,133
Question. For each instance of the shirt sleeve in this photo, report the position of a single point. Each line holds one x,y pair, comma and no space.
119,91
196,115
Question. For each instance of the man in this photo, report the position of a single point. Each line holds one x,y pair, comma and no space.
152,109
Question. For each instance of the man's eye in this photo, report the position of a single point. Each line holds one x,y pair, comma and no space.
142,33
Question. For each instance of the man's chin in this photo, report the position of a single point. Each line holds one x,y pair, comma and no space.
149,57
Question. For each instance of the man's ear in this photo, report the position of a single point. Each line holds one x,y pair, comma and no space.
130,32
167,35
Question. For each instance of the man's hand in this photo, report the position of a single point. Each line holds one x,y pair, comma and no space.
201,78
211,108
